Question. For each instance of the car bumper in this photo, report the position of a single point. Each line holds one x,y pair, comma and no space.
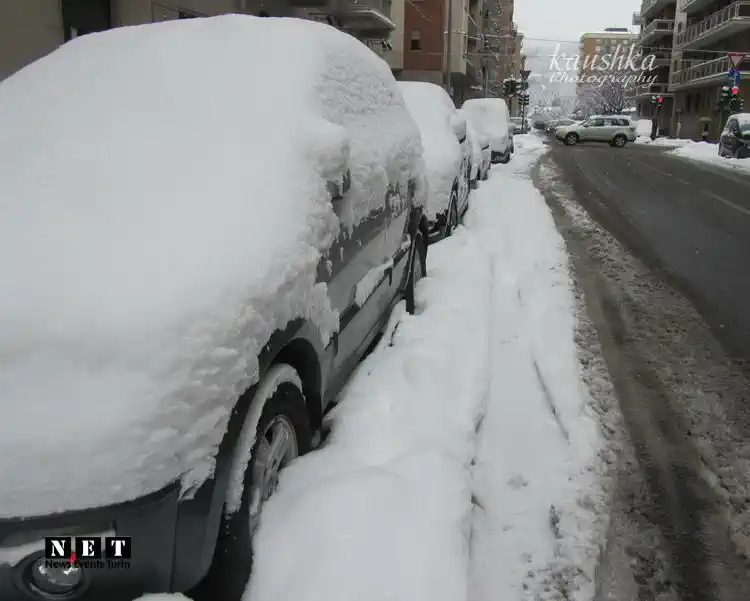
150,522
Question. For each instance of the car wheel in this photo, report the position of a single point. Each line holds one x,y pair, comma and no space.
571,139
282,434
620,141
417,270
451,221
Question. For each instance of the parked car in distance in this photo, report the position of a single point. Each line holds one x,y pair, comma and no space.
490,117
735,139
553,125
615,130
187,286
481,158
447,155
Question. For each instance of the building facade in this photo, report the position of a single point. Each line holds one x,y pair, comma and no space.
706,32
603,70
658,20
30,30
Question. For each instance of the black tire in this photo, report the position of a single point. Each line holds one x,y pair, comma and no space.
417,270
571,139
506,158
451,218
619,141
232,562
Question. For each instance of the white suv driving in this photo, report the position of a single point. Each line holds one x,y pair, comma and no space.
615,129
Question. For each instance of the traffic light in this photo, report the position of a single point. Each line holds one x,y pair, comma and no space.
509,87
734,99
724,98
524,98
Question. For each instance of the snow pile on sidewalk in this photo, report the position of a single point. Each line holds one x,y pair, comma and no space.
382,511
709,153
540,516
668,142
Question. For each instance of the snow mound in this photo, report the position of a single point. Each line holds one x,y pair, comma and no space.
706,152
476,148
161,219
382,510
490,116
432,109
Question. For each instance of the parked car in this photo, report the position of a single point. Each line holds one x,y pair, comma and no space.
490,117
447,155
616,130
553,125
191,272
735,139
481,157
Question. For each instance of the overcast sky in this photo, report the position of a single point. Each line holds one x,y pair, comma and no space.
568,19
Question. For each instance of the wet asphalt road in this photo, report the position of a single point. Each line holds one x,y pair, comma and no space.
691,219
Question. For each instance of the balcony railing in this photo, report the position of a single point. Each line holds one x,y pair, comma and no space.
650,8
736,13
702,71
657,28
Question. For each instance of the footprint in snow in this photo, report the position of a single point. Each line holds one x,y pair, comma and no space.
517,482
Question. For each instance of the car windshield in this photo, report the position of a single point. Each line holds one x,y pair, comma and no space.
745,127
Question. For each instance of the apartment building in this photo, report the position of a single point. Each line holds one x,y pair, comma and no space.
594,47
706,31
656,41
503,56
435,51
31,29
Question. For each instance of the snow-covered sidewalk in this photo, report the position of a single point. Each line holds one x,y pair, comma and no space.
709,153
461,464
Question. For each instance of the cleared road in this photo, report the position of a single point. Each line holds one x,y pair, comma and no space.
689,218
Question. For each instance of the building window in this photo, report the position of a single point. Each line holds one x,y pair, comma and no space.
416,40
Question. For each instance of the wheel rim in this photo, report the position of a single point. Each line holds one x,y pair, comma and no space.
571,139
619,142
277,446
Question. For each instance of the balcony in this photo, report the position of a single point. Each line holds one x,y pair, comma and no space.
656,30
720,25
706,73
651,8
653,89
695,6
365,19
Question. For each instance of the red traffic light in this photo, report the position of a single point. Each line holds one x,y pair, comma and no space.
735,91
660,100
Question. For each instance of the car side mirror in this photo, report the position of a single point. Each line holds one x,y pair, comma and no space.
458,125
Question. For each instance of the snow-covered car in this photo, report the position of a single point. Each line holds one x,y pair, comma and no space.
480,155
490,117
616,130
735,139
191,270
447,154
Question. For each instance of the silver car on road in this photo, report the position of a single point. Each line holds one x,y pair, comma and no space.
617,130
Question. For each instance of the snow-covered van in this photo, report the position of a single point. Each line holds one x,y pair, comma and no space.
490,117
199,239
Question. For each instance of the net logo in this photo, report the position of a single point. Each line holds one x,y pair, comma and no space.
111,552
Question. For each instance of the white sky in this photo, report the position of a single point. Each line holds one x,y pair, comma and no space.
566,20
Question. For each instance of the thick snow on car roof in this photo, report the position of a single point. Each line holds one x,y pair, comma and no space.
490,116
164,206
432,108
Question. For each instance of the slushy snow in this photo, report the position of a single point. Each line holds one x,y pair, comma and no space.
160,220
706,152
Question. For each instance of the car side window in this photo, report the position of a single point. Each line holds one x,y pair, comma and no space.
596,123
734,128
